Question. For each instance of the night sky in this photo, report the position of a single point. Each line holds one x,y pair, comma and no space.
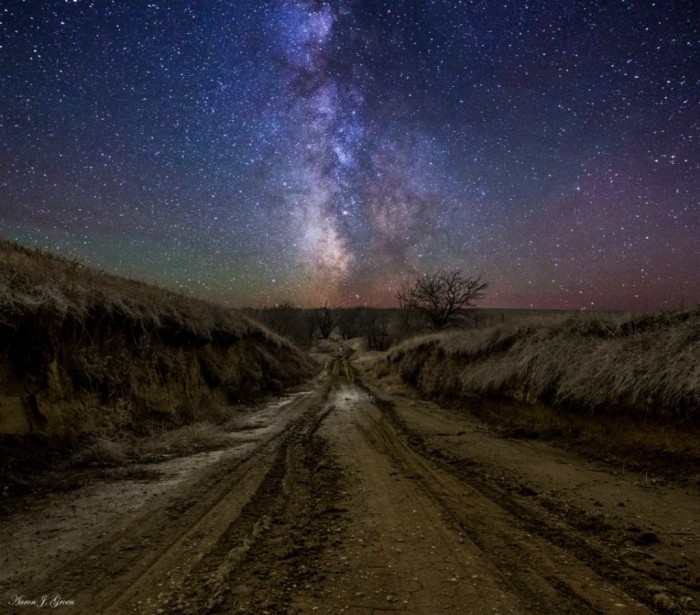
254,151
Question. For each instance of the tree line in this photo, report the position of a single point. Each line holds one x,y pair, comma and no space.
435,301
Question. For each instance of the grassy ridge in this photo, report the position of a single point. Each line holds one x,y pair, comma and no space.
33,282
644,365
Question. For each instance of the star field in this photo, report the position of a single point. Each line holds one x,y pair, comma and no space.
255,152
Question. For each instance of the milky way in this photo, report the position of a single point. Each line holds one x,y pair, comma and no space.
309,151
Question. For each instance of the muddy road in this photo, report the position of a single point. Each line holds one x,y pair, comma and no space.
345,499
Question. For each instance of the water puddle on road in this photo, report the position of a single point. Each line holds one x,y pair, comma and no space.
348,396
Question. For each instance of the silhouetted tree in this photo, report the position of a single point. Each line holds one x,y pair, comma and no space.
348,324
406,322
443,297
326,321
374,324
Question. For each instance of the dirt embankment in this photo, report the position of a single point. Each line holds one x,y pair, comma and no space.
639,365
83,352
629,384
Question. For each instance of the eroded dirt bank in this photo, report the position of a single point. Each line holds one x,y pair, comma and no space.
347,499
86,354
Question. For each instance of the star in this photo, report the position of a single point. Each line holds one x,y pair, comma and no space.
310,151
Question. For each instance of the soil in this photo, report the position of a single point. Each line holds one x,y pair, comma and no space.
347,498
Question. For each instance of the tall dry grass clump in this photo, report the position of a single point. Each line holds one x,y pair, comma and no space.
646,365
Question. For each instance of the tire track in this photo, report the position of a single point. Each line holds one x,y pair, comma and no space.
343,510
548,576
153,564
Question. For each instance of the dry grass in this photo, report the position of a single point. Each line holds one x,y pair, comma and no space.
33,282
117,451
103,451
186,440
643,365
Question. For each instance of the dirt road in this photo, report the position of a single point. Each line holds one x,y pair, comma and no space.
345,499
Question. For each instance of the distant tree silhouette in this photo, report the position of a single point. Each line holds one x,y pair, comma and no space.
406,316
326,321
348,322
441,298
374,323
294,323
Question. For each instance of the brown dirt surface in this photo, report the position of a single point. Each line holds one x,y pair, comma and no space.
347,498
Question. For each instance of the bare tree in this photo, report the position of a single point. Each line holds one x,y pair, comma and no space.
407,323
374,323
348,322
442,297
326,321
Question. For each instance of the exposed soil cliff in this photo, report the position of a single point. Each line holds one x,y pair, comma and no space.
82,351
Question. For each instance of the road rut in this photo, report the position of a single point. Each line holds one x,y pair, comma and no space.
356,502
